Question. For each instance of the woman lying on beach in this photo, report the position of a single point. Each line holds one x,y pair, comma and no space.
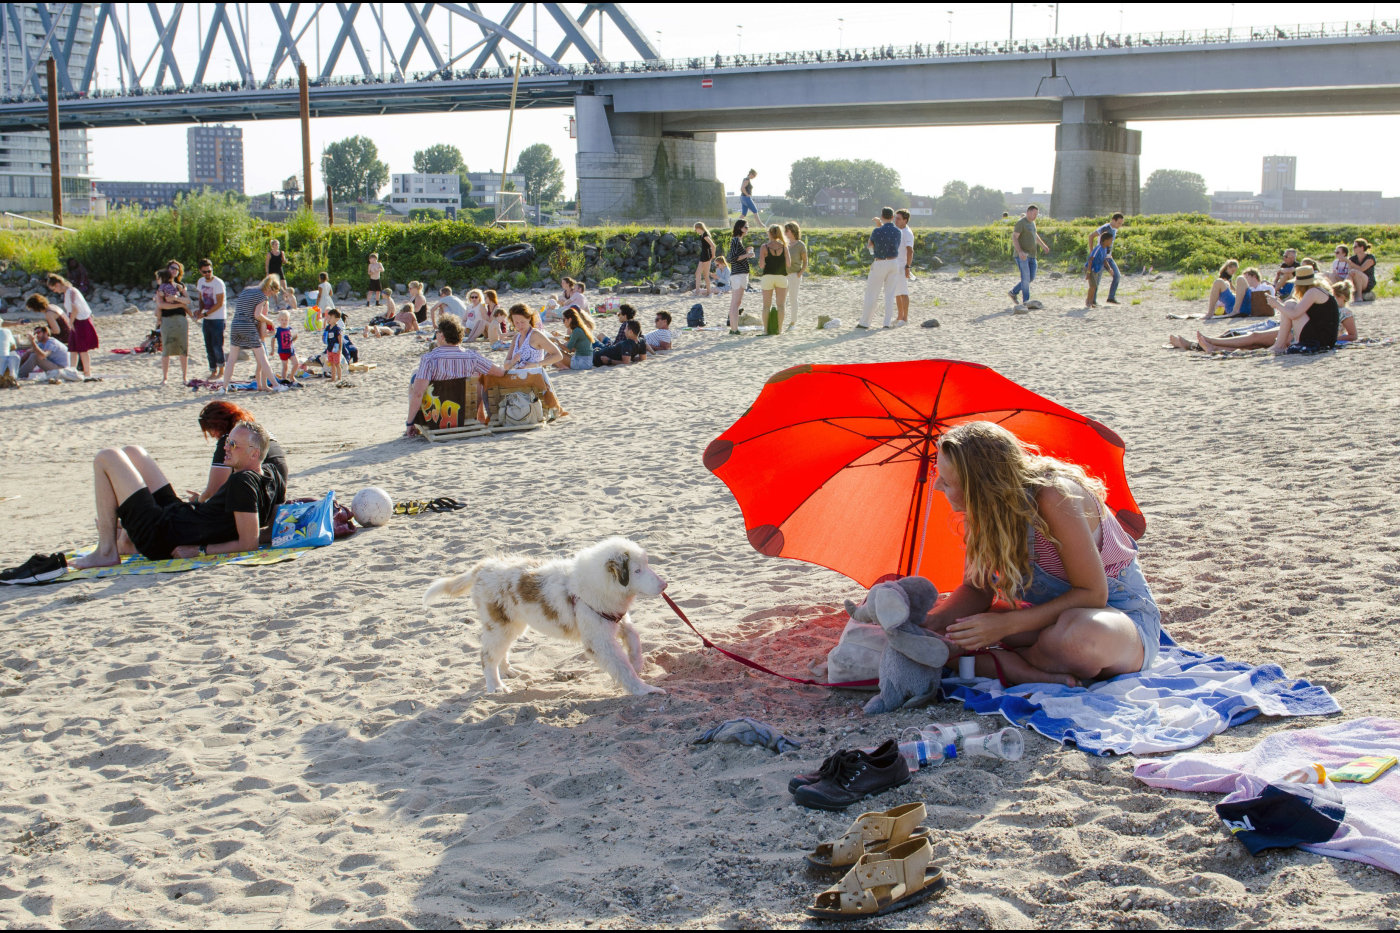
1040,537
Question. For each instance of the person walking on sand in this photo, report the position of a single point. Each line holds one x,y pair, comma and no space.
275,260
249,312
746,204
884,243
1024,241
906,267
213,316
1111,228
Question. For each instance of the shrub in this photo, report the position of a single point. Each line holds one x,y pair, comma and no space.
610,282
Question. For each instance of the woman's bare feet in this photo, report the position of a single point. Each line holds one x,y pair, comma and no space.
1017,670
96,559
1206,343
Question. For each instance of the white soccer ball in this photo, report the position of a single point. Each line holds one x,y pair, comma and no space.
372,506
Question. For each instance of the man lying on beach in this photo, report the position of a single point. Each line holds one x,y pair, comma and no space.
132,489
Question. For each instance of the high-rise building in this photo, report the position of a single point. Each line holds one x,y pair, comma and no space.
216,158
24,157
1280,173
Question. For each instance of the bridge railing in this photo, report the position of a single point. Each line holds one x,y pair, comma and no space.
1241,36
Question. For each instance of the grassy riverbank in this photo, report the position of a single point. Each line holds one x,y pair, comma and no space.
124,248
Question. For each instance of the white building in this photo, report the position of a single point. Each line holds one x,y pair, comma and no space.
24,157
411,190
486,185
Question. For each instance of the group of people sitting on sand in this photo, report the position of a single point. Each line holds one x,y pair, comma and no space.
65,336
1313,318
582,347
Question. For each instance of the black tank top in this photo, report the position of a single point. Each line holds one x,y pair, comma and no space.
274,263
746,187
707,249
1320,333
774,265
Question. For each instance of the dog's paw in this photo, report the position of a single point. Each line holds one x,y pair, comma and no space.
646,689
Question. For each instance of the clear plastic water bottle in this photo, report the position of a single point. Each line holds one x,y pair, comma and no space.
1008,745
950,733
918,753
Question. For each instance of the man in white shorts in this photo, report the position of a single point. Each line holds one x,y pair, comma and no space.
906,262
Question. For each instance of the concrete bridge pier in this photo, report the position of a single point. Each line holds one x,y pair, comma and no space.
1096,163
632,171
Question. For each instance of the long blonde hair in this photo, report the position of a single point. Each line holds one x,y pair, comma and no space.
1001,478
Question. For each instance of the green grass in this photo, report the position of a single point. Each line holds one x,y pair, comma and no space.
1192,287
125,247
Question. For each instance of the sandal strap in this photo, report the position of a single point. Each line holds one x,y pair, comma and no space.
893,825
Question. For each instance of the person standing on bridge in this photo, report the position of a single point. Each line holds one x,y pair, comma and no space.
1095,239
1024,241
746,197
885,242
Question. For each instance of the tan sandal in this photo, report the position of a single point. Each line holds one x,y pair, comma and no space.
871,833
883,883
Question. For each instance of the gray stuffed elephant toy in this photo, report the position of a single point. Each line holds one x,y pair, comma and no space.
911,669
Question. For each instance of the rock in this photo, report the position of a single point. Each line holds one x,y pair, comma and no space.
9,291
400,288
342,289
131,309
493,284
439,284
1057,275
935,263
667,240
932,322
112,297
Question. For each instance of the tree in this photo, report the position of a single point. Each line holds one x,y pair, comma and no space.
443,159
1174,191
962,205
869,180
352,168
544,174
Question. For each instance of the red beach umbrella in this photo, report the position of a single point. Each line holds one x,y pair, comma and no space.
833,464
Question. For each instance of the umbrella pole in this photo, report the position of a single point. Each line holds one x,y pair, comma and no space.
917,510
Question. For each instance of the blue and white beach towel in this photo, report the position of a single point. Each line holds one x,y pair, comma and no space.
1184,699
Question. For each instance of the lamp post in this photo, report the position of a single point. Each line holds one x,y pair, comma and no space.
950,27
840,32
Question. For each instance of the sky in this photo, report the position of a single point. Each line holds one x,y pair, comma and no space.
1228,153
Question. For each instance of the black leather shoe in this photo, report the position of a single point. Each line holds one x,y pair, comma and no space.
854,778
828,767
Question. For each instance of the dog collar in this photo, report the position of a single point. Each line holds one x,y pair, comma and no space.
611,617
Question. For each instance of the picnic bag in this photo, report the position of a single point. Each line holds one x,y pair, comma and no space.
519,409
305,524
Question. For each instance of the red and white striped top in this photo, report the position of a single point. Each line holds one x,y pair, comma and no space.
451,362
1116,548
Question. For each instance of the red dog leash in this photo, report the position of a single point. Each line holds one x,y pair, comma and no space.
754,664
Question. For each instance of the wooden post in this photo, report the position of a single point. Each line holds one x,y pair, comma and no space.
305,135
56,175
330,207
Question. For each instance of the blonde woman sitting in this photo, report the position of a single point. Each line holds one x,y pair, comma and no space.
1040,537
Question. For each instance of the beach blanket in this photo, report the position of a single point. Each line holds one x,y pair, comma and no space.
135,564
1182,700
1370,830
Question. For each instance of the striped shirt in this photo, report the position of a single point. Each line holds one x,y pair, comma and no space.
451,362
737,263
1116,548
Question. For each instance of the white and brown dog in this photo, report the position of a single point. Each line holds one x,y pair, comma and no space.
584,598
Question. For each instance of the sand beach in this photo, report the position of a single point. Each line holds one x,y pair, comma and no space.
303,745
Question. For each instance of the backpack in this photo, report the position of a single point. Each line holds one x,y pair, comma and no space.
519,409
696,317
